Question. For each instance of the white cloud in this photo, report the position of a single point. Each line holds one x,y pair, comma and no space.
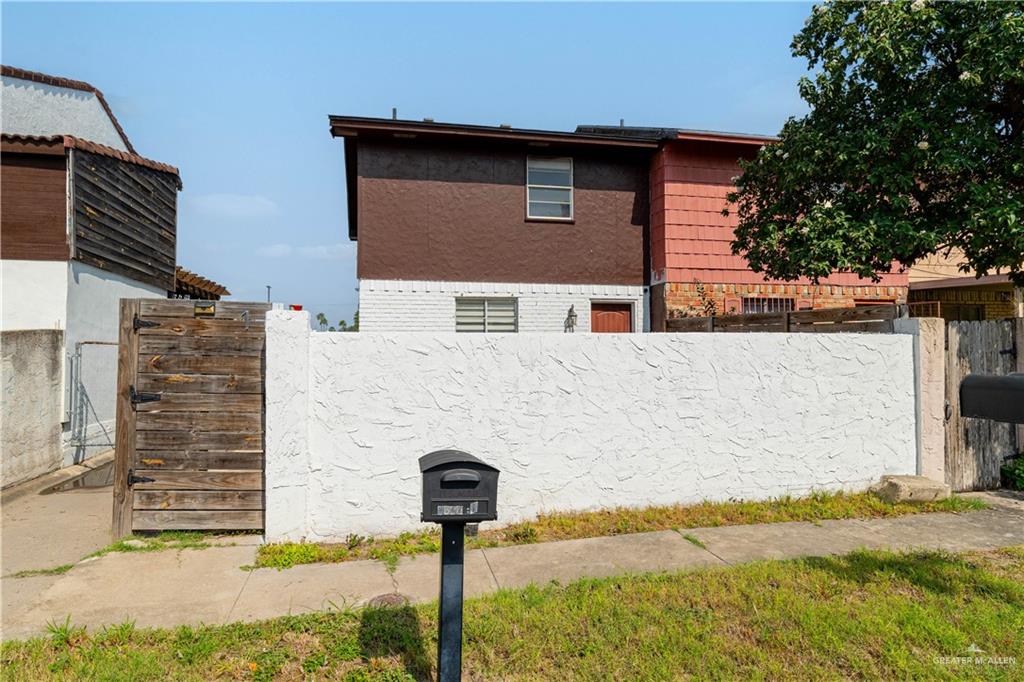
339,251
275,251
235,206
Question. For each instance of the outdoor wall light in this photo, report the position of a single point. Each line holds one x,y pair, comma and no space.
570,320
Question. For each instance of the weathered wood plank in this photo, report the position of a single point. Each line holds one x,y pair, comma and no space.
204,402
858,314
976,448
200,421
188,441
202,345
173,500
215,384
244,365
198,520
198,461
125,443
199,480
203,327
223,310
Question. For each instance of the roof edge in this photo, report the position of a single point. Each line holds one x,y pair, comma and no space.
47,143
60,82
353,126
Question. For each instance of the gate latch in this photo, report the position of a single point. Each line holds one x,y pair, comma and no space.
133,479
137,397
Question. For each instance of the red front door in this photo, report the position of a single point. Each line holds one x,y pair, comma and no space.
611,317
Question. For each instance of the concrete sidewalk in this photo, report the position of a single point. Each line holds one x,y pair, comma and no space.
170,588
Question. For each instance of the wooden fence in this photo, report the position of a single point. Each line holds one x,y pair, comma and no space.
189,451
878,318
977,448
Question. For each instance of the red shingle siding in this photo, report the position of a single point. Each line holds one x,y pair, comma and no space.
690,238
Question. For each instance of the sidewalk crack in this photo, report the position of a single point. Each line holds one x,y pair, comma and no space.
227,618
681,534
491,570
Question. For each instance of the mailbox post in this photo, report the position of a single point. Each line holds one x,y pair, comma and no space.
458,489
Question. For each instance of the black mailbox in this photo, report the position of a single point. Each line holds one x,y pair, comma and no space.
458,488
1000,398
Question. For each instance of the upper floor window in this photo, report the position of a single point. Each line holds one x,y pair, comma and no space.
549,188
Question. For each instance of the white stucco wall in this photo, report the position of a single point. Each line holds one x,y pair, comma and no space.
408,305
93,307
33,294
31,108
578,421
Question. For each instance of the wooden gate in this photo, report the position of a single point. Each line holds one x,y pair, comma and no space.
189,452
976,448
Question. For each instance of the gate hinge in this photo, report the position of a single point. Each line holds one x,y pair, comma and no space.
138,323
133,479
137,397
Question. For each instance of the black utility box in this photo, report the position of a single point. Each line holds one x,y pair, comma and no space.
458,488
1000,398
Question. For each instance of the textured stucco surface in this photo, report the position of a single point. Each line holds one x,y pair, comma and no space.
929,335
30,366
39,109
577,421
407,305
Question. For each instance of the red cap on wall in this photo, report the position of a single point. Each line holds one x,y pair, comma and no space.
294,306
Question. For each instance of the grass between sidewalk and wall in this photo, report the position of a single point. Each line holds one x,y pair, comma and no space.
572,525
873,615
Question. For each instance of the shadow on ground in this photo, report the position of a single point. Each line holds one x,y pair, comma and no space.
936,572
393,633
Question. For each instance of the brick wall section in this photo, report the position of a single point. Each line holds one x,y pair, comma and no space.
690,239
419,306
998,300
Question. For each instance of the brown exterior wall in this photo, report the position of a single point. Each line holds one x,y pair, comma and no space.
33,207
125,218
458,213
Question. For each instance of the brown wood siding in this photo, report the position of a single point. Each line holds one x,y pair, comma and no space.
33,207
125,218
458,213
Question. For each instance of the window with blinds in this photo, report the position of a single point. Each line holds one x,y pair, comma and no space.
486,315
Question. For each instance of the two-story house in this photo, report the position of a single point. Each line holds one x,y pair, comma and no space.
476,228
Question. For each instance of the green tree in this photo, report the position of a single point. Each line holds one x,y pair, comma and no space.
321,320
913,144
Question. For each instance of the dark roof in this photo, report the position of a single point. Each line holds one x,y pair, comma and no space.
354,126
57,81
645,133
193,283
55,144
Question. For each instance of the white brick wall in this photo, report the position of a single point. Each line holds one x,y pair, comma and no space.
409,305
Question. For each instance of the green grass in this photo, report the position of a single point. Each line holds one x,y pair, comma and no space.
55,570
872,615
571,525
694,540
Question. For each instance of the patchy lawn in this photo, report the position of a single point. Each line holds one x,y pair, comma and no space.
570,525
875,615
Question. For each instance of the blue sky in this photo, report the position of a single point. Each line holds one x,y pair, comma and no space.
237,96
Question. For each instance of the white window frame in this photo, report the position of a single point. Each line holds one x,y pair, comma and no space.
572,190
485,300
